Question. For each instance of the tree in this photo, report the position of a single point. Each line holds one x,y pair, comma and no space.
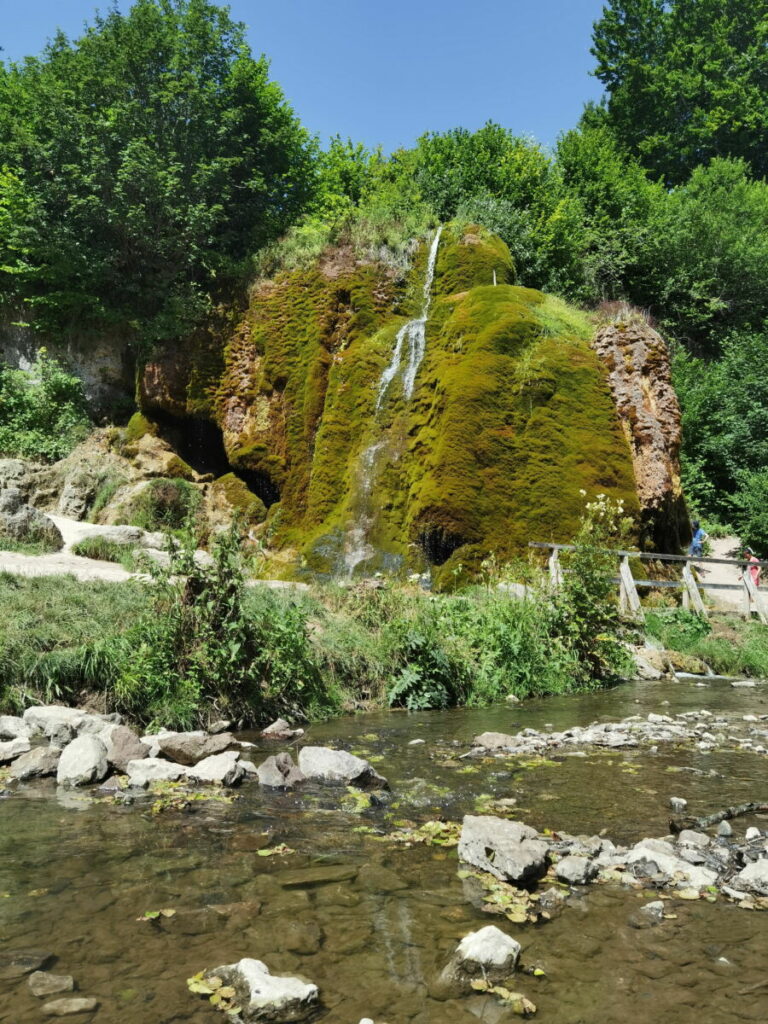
686,81
150,159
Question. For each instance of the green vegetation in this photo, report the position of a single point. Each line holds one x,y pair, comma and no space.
43,412
27,547
165,503
727,644
105,550
175,156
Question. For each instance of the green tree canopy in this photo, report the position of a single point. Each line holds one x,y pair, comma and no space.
144,164
686,80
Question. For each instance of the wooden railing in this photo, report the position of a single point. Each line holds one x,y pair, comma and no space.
629,599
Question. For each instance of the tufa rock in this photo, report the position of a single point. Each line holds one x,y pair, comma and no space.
24,523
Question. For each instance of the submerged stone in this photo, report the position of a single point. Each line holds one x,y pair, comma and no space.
338,767
264,996
70,1007
508,850
42,983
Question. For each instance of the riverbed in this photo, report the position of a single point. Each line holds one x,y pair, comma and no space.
372,922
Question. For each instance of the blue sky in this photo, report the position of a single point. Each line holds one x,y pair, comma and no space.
384,71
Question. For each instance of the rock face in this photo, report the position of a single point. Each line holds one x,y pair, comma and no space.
337,767
508,419
266,997
21,522
506,849
639,376
82,761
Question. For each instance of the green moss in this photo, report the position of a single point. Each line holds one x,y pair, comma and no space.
468,259
240,499
138,426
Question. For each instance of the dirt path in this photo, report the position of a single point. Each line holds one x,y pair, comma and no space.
724,547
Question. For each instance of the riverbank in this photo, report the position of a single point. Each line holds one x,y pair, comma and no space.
132,903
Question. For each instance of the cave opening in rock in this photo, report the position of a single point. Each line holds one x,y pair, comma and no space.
200,444
438,544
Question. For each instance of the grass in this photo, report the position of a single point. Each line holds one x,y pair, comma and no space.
730,646
105,550
23,547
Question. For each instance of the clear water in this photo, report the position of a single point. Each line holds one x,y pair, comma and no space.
386,918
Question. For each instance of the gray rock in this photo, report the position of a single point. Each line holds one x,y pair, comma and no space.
508,850
22,522
36,764
13,728
575,870
754,878
223,725
43,984
690,838
654,910
154,769
496,741
337,767
190,747
123,746
281,730
725,829
152,740
59,724
678,804
14,473
218,769
12,749
70,1007
279,772
82,762
662,854
744,684
645,670
752,833
266,997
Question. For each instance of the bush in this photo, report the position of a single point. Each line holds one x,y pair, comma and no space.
166,504
43,412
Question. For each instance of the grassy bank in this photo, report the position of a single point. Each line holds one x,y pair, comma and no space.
729,645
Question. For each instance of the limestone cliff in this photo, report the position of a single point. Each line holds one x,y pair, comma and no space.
639,376
510,417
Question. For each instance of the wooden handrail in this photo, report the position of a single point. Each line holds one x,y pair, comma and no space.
652,556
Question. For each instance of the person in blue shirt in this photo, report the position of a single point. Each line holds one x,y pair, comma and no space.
696,550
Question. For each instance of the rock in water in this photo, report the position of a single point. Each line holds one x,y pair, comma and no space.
16,965
82,761
281,730
489,949
266,997
13,728
508,850
154,769
339,768
12,749
575,870
279,772
190,747
69,1007
123,745
754,878
219,769
42,984
36,764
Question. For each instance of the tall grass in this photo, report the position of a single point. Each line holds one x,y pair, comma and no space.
728,645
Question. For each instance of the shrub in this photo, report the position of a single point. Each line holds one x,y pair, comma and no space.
166,504
43,411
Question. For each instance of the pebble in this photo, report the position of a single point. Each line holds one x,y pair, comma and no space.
752,833
42,983
415,743
724,829
678,804
69,1007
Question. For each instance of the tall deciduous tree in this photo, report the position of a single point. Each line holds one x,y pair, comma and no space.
145,163
686,80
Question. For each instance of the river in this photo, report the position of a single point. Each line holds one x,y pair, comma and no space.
375,921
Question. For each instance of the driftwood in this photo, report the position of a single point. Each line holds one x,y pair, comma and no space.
737,811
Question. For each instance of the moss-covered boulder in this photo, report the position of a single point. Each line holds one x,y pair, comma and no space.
511,417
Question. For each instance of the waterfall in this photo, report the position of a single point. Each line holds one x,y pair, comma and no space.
357,548
415,332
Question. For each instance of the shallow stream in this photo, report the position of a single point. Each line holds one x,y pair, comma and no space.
371,922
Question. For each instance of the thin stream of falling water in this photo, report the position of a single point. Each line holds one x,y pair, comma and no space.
357,548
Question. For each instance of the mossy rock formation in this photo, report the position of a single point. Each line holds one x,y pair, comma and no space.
511,417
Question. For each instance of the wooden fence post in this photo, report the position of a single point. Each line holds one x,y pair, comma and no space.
754,594
555,570
692,592
629,599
